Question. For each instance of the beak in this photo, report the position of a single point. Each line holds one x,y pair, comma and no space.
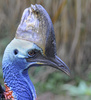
60,65
54,62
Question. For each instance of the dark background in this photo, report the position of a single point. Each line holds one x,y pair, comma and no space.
72,25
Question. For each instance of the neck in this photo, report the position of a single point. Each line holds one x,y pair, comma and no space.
19,83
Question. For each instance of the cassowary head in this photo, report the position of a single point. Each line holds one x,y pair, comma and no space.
34,45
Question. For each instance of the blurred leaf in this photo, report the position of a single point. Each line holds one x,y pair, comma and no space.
81,89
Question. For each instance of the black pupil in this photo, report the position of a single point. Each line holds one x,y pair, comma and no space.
15,51
32,53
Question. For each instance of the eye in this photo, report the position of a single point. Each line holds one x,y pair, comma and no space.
32,53
16,51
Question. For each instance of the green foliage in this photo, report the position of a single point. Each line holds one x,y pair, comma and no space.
82,90
53,83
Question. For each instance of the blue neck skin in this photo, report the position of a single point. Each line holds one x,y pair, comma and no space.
18,82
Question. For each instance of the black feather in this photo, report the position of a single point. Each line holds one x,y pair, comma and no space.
1,93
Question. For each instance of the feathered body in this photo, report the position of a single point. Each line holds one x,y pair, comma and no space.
33,45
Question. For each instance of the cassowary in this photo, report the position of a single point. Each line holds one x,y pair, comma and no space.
34,45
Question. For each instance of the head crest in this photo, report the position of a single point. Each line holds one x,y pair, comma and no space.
36,26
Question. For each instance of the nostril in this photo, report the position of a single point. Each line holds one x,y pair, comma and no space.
16,51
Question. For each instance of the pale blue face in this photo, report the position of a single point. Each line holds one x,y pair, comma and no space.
18,51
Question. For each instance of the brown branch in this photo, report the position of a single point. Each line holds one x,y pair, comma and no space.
59,10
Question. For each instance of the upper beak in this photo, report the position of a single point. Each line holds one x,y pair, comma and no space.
59,64
55,62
